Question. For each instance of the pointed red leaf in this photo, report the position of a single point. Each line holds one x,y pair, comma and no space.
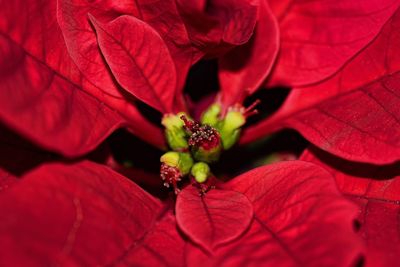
244,69
36,39
84,214
139,60
217,217
376,189
82,45
164,17
354,114
300,219
319,37
81,41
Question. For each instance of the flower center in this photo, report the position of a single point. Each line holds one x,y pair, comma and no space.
203,136
194,145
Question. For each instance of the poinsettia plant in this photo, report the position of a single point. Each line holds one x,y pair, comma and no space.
73,192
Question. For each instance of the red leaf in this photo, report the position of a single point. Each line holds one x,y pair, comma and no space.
331,33
81,41
217,217
163,246
49,110
376,189
218,25
280,7
36,38
164,17
243,70
84,214
139,60
300,219
82,45
354,114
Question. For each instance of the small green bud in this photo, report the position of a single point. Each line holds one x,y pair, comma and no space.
174,132
200,171
211,115
182,161
229,128
170,158
235,118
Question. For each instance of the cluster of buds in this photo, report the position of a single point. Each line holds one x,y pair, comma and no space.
195,144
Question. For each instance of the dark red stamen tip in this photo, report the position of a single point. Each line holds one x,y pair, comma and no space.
170,176
190,125
250,110
206,137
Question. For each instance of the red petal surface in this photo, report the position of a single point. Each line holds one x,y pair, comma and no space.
377,192
37,37
48,109
319,37
164,17
84,214
300,219
217,217
354,114
217,25
280,7
80,40
244,69
82,44
139,60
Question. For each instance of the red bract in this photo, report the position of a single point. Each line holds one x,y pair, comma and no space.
216,217
300,219
376,190
48,109
73,71
218,25
45,64
84,214
139,60
319,37
243,70
355,113
83,48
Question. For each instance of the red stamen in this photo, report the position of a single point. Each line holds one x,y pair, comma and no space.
206,137
170,176
190,125
250,110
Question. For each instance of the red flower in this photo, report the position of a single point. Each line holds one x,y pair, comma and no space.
73,71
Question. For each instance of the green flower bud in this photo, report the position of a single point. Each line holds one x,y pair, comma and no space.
174,132
229,128
211,115
235,119
200,171
182,161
